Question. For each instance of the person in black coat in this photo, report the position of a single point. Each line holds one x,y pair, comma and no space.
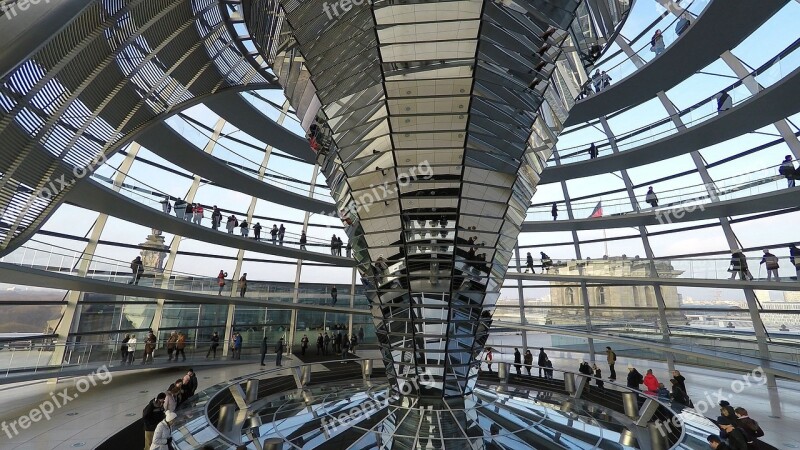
518,361
736,437
634,378
529,263
716,443
541,360
263,350
554,211
152,414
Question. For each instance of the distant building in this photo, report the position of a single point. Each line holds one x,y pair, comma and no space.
636,298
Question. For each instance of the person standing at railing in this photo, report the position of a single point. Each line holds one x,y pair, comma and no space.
189,213
771,262
548,368
180,208
651,197
152,414
724,101
651,382
244,228
489,357
263,350
242,285
214,344
605,79
216,218
634,377
279,349
794,258
149,348
592,152
788,170
221,281
173,338
597,81
198,214
326,344
231,224
257,231
598,377
611,358
304,345
739,265
165,205
529,262
334,294
320,344
137,267
281,234
542,357
303,240
274,233
554,211
528,361
657,43
518,361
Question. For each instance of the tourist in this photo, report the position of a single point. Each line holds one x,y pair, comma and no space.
242,285
320,344
794,258
137,269
750,427
739,265
735,436
216,218
152,414
727,411
772,265
180,208
244,228
221,280
304,345
162,436
257,231
548,368
337,342
149,348
172,394
281,233
173,338
263,350
597,81
651,197
334,293
279,352
489,357
189,213
213,347
333,245
123,349
165,205
518,361
326,344
598,376
788,170
345,347
528,361
303,240
542,357
198,214
611,359
529,262
657,43
547,263
360,334
231,224
676,375
592,152
724,101
131,349
634,377
651,382
716,443
554,211
339,245
353,344
237,346
605,80
663,393
180,345
274,233
192,381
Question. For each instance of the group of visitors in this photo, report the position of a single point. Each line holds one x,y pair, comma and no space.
738,431
280,349
547,263
739,264
336,246
190,212
338,343
158,417
175,344
542,362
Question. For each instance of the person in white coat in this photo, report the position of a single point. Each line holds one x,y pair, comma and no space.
162,438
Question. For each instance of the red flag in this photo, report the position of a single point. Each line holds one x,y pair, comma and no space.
598,210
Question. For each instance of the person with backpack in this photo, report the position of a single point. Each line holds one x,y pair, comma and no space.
739,265
651,198
257,231
611,358
137,267
244,229
547,263
788,170
152,414
772,265
634,377
724,101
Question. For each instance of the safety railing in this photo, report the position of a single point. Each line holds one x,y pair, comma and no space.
688,268
688,197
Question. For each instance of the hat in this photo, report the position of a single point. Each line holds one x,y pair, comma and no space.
724,403
722,420
170,416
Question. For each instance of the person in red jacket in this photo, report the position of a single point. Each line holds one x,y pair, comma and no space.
651,382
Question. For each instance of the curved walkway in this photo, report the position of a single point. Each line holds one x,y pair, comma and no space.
764,108
91,195
722,26
246,117
165,142
771,201
649,281
27,276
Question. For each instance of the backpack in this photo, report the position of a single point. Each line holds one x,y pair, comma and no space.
614,356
